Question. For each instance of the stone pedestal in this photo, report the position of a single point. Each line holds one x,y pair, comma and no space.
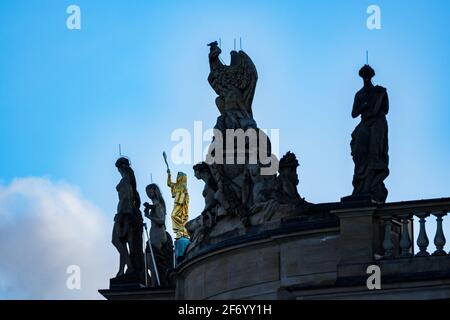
127,282
358,231
139,294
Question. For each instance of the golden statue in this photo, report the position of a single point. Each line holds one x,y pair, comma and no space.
180,212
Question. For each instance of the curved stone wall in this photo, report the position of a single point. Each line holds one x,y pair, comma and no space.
259,267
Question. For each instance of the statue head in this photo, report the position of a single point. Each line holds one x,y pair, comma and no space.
122,161
154,193
182,178
214,50
366,72
123,165
201,170
288,166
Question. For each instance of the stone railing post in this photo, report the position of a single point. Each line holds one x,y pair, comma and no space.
439,238
388,245
422,239
358,240
405,241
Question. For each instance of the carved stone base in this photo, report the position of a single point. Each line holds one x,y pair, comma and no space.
127,281
358,199
228,227
272,217
139,294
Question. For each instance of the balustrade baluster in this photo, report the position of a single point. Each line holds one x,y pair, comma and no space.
388,246
405,241
422,239
439,238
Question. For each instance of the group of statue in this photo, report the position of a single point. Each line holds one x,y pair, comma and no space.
241,190
128,229
239,195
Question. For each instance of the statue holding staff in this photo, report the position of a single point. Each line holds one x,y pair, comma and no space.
180,212
161,242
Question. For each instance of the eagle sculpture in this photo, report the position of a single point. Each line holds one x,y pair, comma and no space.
235,84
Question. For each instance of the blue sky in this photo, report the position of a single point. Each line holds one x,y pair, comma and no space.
136,71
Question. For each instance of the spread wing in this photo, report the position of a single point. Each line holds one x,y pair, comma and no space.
241,75
248,77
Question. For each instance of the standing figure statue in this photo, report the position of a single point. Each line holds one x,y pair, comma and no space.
180,212
128,226
161,242
370,140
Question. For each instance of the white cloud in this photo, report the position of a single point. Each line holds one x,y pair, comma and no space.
44,228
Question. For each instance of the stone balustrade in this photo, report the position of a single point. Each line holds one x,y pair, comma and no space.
398,231
323,256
